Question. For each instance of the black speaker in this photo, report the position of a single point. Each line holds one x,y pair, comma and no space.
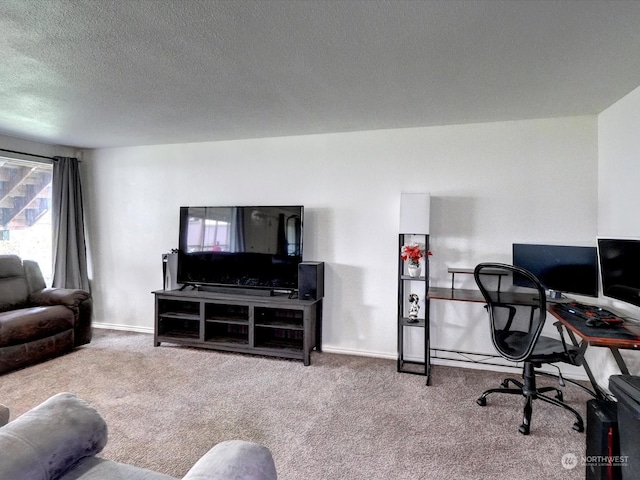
602,440
310,280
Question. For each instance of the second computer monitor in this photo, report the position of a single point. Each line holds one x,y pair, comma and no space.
560,268
620,267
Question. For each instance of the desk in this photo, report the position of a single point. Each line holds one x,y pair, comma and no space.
465,295
614,338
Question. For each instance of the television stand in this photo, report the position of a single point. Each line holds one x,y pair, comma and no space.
276,326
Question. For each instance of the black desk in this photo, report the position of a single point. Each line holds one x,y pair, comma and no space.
614,338
464,295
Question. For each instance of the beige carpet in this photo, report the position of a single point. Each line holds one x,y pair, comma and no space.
342,417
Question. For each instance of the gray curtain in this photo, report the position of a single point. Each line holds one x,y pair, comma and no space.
69,247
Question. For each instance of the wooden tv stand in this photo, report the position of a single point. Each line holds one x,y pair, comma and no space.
276,326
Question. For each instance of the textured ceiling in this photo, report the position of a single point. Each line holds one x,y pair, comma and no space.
91,73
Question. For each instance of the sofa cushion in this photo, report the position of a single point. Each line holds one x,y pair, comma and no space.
4,415
28,324
95,468
235,460
34,276
14,289
50,439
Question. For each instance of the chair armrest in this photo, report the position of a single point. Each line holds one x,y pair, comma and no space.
234,460
575,354
51,438
58,296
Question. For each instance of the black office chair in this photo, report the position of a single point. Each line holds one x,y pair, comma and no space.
516,325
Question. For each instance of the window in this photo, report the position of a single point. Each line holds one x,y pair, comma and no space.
25,211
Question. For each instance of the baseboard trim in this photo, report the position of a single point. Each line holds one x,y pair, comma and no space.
123,328
358,353
364,353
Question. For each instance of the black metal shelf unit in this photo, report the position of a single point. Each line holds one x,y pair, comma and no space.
418,285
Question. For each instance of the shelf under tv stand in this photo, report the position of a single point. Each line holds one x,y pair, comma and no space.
276,326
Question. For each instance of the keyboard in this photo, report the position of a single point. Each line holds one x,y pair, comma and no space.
591,313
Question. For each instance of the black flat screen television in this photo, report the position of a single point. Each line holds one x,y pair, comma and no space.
620,269
560,268
249,247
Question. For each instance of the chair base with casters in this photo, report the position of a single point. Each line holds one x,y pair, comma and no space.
528,389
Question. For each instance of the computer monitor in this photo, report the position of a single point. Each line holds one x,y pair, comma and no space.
560,268
620,269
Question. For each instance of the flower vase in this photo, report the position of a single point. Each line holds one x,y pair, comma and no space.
414,270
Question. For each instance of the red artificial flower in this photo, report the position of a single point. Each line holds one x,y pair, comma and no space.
413,253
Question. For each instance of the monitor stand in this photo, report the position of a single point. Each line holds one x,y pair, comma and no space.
556,296
560,300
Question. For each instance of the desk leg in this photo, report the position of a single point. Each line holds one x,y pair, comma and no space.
427,341
583,347
619,360
400,346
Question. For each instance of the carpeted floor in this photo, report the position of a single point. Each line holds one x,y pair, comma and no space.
342,417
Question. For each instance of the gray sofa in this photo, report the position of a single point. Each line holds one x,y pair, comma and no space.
59,440
36,322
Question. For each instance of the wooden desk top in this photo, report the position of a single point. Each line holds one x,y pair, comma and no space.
468,295
617,336
469,271
455,294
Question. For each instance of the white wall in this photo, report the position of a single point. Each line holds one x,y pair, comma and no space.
491,184
619,168
35,148
619,198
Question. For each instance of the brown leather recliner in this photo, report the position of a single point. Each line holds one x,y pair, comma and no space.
38,323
